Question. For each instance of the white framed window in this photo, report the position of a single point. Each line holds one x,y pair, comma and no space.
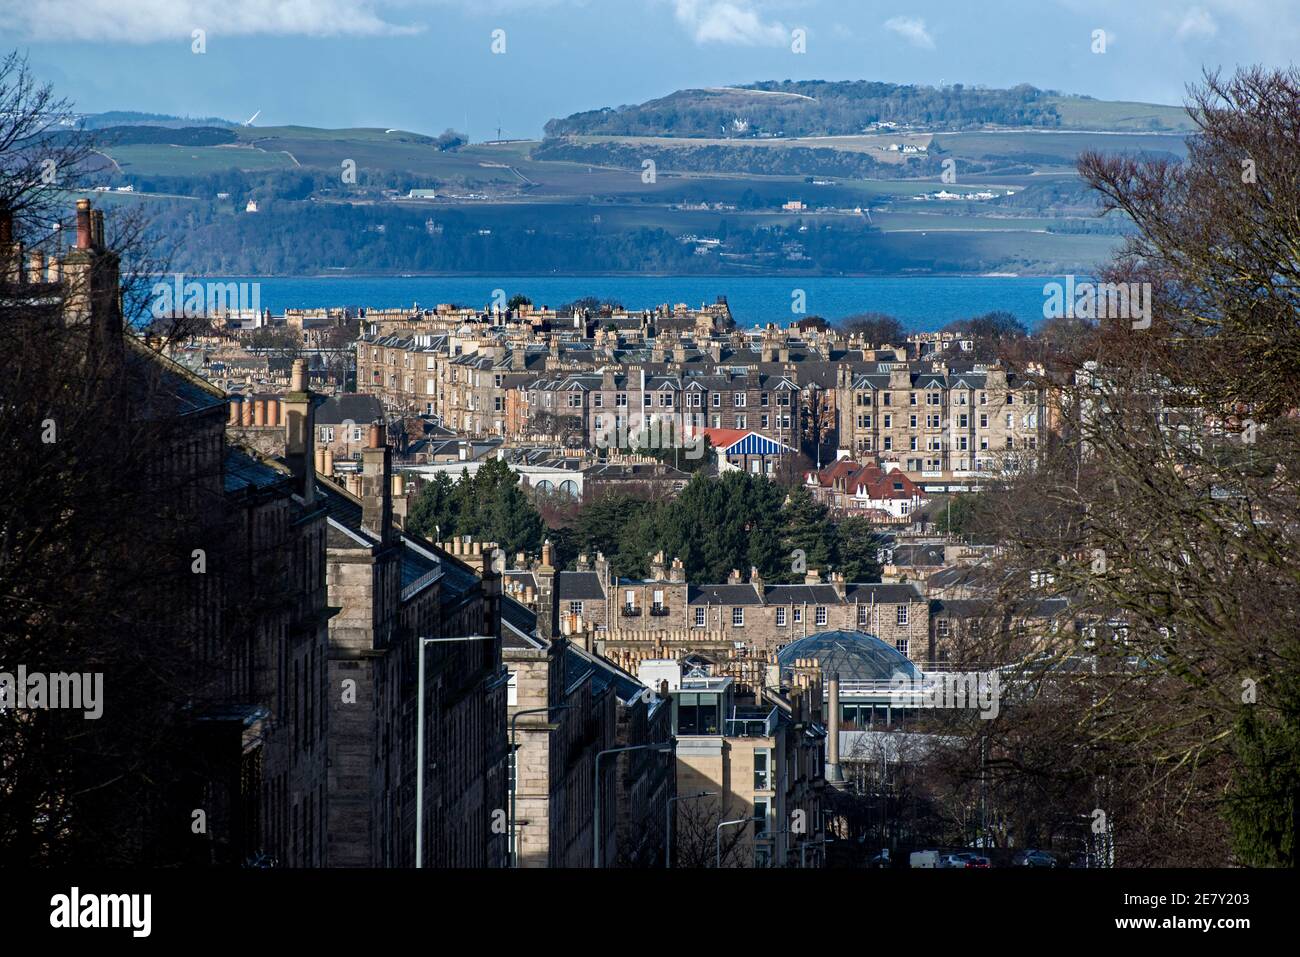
575,608
699,617
780,618
798,616
737,617
762,769
902,614
819,616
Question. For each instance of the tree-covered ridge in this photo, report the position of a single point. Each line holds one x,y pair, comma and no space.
816,108
715,525
754,161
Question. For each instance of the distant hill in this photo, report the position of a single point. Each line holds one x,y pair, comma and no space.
802,108
98,121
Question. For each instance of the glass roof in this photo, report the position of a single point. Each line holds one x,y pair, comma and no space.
855,655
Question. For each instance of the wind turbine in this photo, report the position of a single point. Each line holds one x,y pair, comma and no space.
249,121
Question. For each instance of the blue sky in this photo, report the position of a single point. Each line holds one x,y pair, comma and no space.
428,64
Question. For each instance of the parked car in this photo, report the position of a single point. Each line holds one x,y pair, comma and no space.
977,860
1033,858
951,860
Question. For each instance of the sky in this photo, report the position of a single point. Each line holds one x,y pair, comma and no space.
480,65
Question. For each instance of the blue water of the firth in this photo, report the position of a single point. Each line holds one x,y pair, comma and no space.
920,303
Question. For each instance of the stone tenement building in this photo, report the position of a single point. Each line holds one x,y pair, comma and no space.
739,625
593,706
389,589
936,419
249,617
763,761
950,414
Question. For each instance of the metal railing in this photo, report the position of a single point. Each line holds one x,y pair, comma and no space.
751,727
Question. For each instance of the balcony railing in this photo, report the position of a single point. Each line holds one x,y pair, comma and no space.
759,726
631,611
659,611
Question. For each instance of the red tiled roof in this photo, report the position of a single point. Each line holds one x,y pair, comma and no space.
721,438
878,483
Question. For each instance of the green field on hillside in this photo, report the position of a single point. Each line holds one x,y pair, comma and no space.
165,160
1081,113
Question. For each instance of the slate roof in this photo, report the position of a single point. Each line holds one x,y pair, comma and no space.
242,472
578,586
888,593
913,555
353,407
801,595
723,595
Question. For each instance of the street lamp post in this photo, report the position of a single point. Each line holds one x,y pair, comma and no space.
419,740
668,822
718,837
514,776
595,837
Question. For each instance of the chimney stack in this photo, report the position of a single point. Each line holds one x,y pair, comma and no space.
300,432
833,773
377,484
83,224
94,294
10,251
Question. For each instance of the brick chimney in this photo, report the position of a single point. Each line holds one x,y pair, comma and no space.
91,274
11,253
300,431
83,224
377,484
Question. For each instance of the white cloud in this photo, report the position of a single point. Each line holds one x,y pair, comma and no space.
737,22
729,21
147,21
911,29
1197,24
